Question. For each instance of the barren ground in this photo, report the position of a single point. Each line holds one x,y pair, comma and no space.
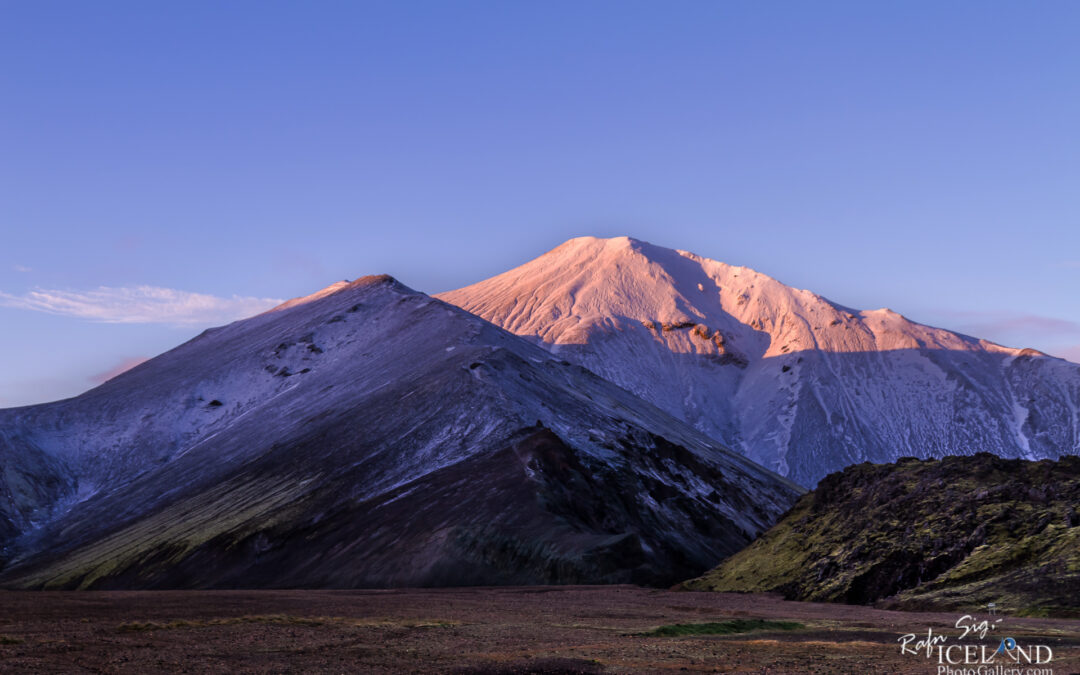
474,630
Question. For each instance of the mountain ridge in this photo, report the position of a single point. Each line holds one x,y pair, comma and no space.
366,435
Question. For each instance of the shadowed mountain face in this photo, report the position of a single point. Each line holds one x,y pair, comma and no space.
955,533
367,435
799,384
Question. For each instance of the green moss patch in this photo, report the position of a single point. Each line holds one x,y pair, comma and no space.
723,627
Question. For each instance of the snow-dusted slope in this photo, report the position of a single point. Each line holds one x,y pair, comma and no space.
366,435
798,383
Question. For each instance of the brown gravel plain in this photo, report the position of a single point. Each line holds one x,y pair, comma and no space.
467,630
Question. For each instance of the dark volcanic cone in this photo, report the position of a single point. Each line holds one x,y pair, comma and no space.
367,435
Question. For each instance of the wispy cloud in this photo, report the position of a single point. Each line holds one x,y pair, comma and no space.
1053,335
1028,323
991,324
122,367
139,304
21,268
1068,264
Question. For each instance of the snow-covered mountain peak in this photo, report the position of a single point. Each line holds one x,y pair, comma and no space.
591,283
750,360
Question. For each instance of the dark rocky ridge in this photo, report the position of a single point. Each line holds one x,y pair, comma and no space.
955,533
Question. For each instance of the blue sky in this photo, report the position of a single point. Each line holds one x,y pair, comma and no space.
198,160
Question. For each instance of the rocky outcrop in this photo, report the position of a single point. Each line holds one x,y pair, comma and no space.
955,533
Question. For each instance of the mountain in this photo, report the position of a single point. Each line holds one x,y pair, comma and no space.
367,435
798,383
950,534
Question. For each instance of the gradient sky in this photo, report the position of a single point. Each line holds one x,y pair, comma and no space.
200,159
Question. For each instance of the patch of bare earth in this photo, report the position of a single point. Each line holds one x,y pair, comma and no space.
471,630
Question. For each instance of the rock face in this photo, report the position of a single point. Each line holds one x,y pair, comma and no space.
955,533
799,384
367,435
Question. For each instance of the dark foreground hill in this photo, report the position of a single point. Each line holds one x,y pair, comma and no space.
367,435
955,533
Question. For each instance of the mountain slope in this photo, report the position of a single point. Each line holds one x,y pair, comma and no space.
799,384
368,435
955,533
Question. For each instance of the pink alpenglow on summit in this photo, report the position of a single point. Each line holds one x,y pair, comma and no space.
799,384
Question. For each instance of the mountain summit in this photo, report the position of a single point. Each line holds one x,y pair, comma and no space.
798,383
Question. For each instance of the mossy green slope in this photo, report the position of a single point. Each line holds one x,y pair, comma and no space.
954,533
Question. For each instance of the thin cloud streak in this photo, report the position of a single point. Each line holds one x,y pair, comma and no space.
989,324
122,367
1042,324
1052,335
138,304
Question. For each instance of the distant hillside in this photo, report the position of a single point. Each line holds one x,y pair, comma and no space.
954,533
